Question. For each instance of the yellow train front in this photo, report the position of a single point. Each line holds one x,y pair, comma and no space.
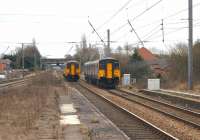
104,72
72,71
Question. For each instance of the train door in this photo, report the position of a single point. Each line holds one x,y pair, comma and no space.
73,69
109,69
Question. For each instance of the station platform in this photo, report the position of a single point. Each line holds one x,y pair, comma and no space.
81,120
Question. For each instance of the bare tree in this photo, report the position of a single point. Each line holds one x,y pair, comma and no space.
178,60
128,48
119,49
86,53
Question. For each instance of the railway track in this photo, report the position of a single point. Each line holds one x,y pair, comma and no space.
187,116
10,80
189,102
15,83
134,126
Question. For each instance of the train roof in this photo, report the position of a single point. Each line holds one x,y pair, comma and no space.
97,61
110,58
71,61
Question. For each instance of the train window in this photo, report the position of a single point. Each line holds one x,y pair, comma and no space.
102,65
116,64
68,65
76,65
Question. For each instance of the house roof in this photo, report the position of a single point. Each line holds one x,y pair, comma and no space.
146,54
5,61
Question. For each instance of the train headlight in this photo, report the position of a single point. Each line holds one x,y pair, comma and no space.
101,73
117,73
67,71
78,71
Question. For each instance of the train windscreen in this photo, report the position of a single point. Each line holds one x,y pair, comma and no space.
102,63
116,64
76,65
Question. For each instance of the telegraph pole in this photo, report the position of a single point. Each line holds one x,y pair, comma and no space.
23,56
190,44
34,48
162,28
108,44
23,59
108,33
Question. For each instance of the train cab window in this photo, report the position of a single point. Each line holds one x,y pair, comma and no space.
68,65
102,65
76,65
116,64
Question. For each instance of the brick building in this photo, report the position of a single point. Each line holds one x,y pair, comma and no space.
4,65
157,65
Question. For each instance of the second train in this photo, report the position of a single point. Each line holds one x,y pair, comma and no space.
72,71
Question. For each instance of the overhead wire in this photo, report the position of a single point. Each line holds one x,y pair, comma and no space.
135,4
96,32
149,8
183,10
166,34
6,50
115,14
181,22
123,36
174,14
177,29
152,34
171,32
166,17
139,15
157,26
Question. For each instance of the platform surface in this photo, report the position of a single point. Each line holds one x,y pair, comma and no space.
82,120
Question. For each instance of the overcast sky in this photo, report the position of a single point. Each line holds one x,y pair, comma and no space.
53,23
